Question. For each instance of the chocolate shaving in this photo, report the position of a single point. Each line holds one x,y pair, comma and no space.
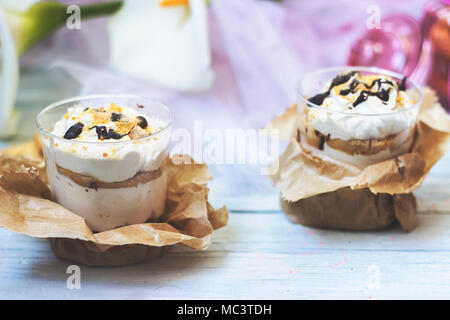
114,135
106,134
142,122
116,116
74,131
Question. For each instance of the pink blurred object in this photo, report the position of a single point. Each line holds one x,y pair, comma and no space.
419,51
436,27
396,46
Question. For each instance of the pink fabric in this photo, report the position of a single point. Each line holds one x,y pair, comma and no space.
259,49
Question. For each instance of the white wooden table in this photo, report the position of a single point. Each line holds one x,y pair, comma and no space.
260,254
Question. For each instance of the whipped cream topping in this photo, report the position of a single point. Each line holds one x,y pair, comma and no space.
105,142
356,106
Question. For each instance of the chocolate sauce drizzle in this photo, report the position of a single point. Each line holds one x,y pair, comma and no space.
322,139
318,98
402,85
351,88
382,94
338,80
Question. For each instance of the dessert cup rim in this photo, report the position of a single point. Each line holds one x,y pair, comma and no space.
339,69
102,96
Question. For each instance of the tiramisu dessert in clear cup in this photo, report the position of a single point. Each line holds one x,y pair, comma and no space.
105,157
357,115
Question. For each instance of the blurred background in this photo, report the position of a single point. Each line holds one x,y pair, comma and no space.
230,63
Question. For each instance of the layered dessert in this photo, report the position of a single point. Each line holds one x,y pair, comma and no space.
359,118
106,163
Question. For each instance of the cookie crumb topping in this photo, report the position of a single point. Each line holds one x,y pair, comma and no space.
108,122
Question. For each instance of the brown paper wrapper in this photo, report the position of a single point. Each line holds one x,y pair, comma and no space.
88,253
347,209
320,191
26,207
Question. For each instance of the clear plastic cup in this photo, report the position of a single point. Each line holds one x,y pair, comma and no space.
359,139
110,183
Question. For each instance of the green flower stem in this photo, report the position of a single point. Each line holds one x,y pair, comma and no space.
46,17
100,9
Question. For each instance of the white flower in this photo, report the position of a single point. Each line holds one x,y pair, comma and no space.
165,41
